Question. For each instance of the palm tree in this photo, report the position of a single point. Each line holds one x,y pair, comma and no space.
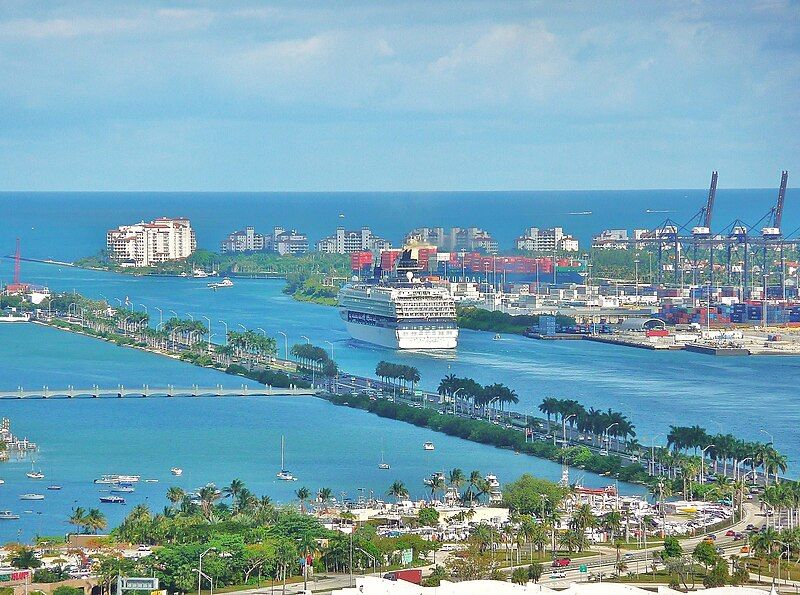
303,494
583,518
208,495
398,490
456,479
475,478
175,495
549,407
233,490
78,518
324,496
437,484
95,520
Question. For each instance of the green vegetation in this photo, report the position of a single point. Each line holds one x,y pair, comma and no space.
478,319
485,432
273,378
592,421
247,539
305,288
314,359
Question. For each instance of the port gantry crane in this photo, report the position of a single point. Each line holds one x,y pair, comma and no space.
733,239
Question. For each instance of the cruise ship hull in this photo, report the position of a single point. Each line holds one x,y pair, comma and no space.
404,338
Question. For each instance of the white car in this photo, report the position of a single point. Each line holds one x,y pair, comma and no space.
558,574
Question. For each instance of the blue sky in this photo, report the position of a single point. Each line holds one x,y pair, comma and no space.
343,95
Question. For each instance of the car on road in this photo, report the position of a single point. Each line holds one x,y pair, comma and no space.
558,574
730,533
745,549
560,562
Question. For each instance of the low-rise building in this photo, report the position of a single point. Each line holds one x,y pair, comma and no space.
289,241
348,241
147,244
246,240
534,239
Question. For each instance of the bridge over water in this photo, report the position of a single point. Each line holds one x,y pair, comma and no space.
146,391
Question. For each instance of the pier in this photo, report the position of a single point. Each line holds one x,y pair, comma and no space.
146,391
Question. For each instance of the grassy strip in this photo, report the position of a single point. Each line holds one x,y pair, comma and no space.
484,432
478,319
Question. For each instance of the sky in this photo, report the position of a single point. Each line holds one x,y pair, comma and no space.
342,95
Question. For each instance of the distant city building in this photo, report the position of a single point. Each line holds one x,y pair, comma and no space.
146,244
246,240
457,239
534,239
347,241
618,239
289,241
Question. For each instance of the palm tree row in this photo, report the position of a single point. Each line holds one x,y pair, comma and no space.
251,345
475,486
591,421
310,356
91,521
726,448
467,390
399,373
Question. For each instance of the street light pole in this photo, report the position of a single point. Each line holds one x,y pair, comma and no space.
285,345
208,348
608,439
306,338
226,330
455,394
200,569
160,317
771,437
702,463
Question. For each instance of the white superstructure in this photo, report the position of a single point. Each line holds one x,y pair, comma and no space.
400,316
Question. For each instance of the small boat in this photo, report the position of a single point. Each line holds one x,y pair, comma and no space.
283,474
35,474
199,274
226,282
435,478
7,515
122,490
2,481
114,479
54,488
496,337
428,446
383,464
176,471
32,497
153,480
112,499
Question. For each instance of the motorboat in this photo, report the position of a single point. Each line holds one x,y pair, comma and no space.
497,337
226,282
283,474
112,499
32,497
35,474
176,471
428,446
115,479
7,515
151,481
122,490
54,488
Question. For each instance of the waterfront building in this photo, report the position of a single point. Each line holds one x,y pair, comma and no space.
246,240
347,241
611,239
534,239
456,239
289,241
145,244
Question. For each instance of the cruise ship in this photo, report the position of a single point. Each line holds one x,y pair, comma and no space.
410,315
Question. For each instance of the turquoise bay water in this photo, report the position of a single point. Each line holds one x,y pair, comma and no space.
212,439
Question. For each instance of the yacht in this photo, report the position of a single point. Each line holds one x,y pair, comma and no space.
411,315
112,499
283,474
31,497
2,481
7,515
226,282
35,474
122,490
153,480
199,274
428,446
115,479
176,471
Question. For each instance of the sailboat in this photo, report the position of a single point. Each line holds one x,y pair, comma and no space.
383,465
283,474
33,474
